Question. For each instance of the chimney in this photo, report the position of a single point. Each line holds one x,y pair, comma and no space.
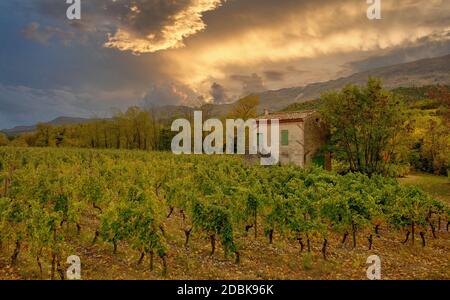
266,112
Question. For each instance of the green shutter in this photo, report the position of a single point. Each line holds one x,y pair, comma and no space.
285,137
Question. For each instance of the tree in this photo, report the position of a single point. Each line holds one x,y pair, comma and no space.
45,135
365,123
442,93
436,147
19,141
246,108
3,139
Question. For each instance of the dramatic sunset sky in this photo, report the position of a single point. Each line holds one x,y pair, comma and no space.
170,52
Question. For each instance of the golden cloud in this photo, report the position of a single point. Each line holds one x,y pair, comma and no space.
183,24
337,28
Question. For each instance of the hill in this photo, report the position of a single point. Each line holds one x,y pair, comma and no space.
415,97
56,122
408,75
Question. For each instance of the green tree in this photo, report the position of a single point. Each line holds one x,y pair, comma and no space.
246,108
436,147
3,139
366,124
442,93
45,135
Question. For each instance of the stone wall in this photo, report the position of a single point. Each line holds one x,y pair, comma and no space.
315,137
293,153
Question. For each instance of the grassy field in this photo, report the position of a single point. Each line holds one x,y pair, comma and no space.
259,259
437,186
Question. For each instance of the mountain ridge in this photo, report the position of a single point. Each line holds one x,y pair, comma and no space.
59,121
421,72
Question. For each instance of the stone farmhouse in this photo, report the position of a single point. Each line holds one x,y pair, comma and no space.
302,137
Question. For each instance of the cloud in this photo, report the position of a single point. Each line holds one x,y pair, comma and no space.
431,46
250,84
22,105
218,94
43,34
254,36
161,94
292,69
138,35
139,26
263,34
25,106
274,75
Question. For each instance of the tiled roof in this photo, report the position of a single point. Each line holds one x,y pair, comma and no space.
291,115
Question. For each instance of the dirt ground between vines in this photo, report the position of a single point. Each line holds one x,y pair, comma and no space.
259,259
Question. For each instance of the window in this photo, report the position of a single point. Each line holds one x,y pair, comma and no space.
285,138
